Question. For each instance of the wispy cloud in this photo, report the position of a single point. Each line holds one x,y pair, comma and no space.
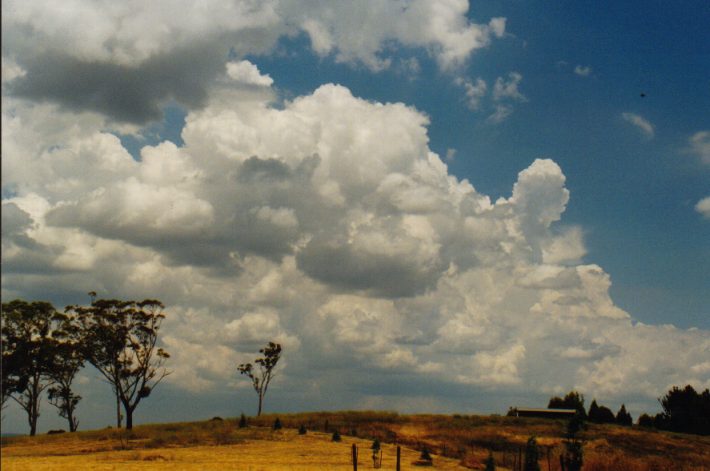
640,123
700,145
582,70
508,89
475,91
703,207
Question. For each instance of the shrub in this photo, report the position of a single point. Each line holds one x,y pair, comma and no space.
277,424
532,455
645,420
302,430
242,421
336,436
490,462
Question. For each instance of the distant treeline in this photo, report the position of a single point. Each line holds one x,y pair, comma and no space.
684,411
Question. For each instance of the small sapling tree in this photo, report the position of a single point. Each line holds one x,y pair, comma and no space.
490,462
262,371
532,456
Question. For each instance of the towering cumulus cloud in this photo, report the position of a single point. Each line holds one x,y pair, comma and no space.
325,223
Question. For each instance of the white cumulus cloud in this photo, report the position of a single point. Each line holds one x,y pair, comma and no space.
328,224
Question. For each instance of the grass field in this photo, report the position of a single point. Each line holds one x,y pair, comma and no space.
456,442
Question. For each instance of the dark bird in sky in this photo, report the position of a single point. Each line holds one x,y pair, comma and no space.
643,95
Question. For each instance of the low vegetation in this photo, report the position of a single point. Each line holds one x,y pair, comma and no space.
469,441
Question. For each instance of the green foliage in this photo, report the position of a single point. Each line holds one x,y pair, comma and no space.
532,456
262,371
28,352
67,359
120,341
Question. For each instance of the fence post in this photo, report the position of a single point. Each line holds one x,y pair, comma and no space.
354,457
398,457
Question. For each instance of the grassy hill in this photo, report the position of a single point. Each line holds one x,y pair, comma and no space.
457,442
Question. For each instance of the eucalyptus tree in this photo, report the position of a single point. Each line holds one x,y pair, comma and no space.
262,371
67,358
121,342
27,353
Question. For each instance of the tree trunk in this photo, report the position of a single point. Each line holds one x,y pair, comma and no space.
129,418
73,423
33,412
118,410
261,399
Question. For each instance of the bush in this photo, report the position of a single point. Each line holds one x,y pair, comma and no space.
336,436
532,455
277,424
302,430
242,421
645,420
490,462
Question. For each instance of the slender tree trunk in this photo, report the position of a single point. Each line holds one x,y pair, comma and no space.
129,418
118,410
33,409
261,398
73,423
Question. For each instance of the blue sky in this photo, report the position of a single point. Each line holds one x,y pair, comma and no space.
299,171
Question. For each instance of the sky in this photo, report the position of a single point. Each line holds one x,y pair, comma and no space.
433,205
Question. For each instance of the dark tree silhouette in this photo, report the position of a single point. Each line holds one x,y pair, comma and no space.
593,414
606,416
623,417
13,381
490,462
573,400
573,457
685,410
66,361
532,456
262,372
27,346
645,420
120,339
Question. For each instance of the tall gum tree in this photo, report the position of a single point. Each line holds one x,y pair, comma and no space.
120,339
27,350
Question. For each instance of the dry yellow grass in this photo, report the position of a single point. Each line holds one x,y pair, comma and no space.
286,450
455,441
